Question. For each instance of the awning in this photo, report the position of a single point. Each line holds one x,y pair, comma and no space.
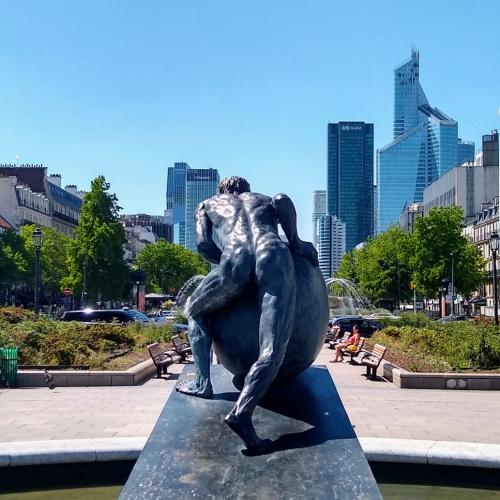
157,296
478,301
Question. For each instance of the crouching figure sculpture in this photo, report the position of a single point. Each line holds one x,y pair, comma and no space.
264,307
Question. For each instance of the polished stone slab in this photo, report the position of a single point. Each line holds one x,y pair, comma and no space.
191,453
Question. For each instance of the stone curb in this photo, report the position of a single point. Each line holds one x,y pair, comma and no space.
90,378
70,451
376,450
432,452
451,381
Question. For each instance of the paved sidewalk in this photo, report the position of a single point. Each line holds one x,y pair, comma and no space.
376,409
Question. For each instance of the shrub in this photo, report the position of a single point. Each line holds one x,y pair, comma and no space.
443,347
484,353
15,314
145,335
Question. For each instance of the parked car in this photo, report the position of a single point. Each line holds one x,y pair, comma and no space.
367,326
451,317
121,316
179,328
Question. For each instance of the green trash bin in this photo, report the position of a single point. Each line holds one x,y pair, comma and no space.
8,366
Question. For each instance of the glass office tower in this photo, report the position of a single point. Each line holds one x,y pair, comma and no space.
176,200
466,151
350,178
186,188
331,244
425,146
201,183
319,209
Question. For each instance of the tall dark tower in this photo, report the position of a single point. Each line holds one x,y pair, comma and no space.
350,178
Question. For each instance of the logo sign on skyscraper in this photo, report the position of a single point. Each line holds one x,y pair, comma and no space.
350,128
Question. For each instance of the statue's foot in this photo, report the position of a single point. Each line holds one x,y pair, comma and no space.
242,425
194,388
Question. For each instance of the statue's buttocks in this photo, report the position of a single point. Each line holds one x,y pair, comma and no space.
236,328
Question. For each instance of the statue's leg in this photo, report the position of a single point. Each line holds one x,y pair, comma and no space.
214,291
277,295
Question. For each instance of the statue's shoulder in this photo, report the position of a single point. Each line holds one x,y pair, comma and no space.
256,196
209,202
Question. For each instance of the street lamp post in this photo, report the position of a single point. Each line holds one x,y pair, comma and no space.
452,284
494,244
37,238
443,290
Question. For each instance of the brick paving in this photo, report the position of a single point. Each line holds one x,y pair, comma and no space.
376,409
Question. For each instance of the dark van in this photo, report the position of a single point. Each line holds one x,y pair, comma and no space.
121,316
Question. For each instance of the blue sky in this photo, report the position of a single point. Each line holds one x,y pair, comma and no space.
126,88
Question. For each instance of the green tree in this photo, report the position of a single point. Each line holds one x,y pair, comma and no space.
53,258
96,254
13,260
383,266
169,266
348,268
440,248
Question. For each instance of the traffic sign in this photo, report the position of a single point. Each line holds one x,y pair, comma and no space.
67,291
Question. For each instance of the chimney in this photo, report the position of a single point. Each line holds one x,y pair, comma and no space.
55,179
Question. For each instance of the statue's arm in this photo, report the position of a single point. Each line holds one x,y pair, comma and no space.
287,217
204,240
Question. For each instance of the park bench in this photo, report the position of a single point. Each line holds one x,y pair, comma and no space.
181,346
359,348
162,359
372,360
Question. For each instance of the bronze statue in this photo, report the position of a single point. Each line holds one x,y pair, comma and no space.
264,306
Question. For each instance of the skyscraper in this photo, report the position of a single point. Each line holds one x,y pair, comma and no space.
201,183
331,244
350,178
176,200
186,188
425,146
319,209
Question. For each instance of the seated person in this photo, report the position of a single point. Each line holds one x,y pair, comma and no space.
334,331
352,340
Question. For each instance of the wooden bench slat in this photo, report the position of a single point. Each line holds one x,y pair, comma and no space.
181,346
373,360
161,358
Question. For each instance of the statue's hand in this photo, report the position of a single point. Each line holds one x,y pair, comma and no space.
308,251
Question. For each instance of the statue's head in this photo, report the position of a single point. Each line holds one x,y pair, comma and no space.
233,185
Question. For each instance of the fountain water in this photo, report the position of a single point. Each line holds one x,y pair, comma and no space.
344,298
186,290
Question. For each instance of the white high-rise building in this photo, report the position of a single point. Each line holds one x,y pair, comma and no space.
319,209
331,244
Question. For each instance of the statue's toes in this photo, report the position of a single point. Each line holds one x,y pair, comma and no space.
193,389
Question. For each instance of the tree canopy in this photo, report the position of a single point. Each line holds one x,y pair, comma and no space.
168,266
53,258
381,267
96,253
389,262
440,250
13,258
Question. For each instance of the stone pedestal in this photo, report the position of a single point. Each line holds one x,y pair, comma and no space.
315,454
